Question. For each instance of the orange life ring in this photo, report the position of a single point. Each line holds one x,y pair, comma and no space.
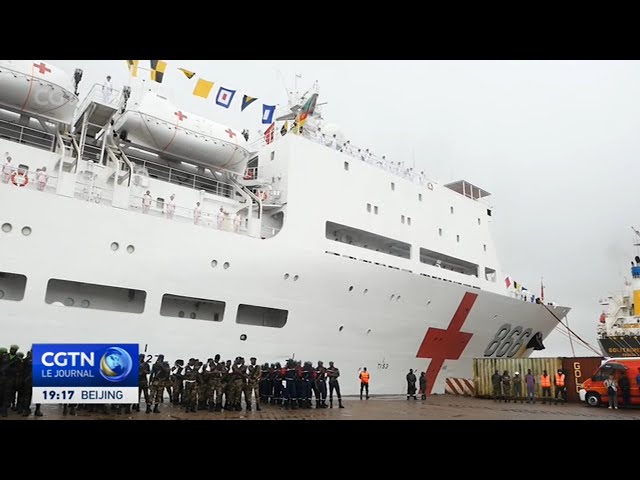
19,180
430,186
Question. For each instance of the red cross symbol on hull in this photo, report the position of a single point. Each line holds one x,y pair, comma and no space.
230,132
181,116
42,67
440,345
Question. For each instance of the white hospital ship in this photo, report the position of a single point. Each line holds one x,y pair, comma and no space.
300,246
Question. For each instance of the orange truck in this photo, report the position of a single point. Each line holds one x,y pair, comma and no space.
593,391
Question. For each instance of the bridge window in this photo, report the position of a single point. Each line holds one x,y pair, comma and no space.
489,274
346,166
393,186
368,240
458,238
419,197
409,220
369,207
440,232
484,247
200,308
100,297
12,286
401,218
447,262
478,220
451,209
261,316
375,209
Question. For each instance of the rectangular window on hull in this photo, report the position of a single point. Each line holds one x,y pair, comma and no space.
490,274
188,307
261,316
12,286
449,263
92,296
368,240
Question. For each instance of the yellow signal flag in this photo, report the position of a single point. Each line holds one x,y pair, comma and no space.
157,70
188,73
203,88
132,65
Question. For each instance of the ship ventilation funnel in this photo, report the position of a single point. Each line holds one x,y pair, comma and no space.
536,342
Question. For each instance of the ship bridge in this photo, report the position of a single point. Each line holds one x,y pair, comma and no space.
468,190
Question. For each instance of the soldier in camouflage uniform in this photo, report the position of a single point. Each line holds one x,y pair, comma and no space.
160,373
191,386
239,380
203,393
20,372
143,383
226,386
215,395
321,385
177,378
253,382
15,369
207,380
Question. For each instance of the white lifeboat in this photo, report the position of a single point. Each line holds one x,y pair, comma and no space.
38,88
155,123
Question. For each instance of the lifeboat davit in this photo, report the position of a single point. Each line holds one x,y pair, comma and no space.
155,123
37,88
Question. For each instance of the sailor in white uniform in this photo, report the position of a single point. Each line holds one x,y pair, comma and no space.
171,207
146,202
220,218
107,89
42,177
334,142
197,213
7,169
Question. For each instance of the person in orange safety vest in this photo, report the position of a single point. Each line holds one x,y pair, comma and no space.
545,383
364,382
561,387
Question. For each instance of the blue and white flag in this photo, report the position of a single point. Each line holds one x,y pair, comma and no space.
224,97
267,113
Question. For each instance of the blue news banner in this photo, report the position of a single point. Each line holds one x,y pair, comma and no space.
85,373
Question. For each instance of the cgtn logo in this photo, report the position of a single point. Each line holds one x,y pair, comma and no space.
108,368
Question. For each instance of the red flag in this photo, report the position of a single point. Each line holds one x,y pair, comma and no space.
268,133
507,281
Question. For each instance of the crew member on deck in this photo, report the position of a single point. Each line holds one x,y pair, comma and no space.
146,202
171,207
7,169
197,213
107,89
42,177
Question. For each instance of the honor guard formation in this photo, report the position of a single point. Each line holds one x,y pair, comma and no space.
214,385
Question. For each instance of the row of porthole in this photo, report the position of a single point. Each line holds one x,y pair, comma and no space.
295,277
115,246
341,328
225,265
7,227
70,302
366,290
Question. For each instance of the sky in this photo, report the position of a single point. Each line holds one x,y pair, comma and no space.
555,142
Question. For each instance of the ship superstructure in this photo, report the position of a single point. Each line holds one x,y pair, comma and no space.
159,227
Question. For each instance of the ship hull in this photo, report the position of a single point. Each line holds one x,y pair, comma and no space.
357,314
620,346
